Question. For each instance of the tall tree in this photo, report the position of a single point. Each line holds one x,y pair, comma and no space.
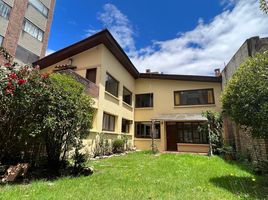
245,98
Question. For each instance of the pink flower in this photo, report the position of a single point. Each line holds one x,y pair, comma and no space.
7,64
13,76
37,67
22,81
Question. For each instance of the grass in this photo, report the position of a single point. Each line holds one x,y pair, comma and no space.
142,175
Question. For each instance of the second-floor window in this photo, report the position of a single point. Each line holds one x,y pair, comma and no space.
111,85
1,40
4,9
39,6
108,122
91,74
127,96
194,97
33,30
144,100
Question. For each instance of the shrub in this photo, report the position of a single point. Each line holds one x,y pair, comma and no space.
51,110
118,146
102,146
68,118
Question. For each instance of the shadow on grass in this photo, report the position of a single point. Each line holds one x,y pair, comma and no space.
45,174
245,187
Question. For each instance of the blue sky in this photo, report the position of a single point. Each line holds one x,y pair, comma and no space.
172,36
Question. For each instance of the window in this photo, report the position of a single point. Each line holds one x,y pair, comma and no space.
127,96
4,9
91,74
39,6
144,100
1,40
125,126
33,30
194,97
144,129
111,85
108,122
189,133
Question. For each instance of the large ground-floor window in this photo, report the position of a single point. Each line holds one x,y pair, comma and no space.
144,129
189,132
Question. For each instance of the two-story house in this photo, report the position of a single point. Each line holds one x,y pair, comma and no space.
132,103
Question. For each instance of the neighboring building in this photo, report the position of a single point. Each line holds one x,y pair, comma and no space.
25,27
243,142
131,103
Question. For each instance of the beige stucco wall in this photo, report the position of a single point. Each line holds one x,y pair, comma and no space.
163,91
101,58
83,61
107,102
30,43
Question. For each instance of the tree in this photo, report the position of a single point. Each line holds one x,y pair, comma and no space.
264,6
213,128
68,119
245,98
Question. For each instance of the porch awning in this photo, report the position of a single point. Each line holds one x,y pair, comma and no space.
181,117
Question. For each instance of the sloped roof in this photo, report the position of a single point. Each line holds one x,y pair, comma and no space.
103,37
106,38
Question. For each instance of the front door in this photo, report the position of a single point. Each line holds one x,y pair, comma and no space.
172,136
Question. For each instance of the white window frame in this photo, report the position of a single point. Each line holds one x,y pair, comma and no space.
33,30
5,10
38,5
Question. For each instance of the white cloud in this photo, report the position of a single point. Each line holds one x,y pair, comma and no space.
208,46
90,32
198,51
49,51
119,25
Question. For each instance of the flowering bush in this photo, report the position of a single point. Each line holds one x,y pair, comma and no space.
36,108
22,91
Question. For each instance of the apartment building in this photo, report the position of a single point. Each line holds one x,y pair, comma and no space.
131,103
25,27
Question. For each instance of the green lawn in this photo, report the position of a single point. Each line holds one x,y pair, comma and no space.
145,176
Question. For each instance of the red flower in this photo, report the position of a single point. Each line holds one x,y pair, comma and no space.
7,64
13,76
22,81
8,91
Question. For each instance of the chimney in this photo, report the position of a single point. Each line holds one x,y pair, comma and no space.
217,72
148,71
